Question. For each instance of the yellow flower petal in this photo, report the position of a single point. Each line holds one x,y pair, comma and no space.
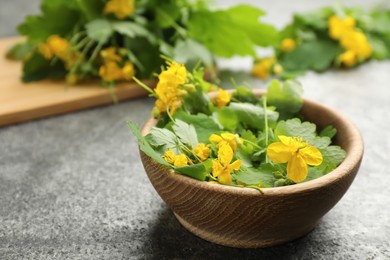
180,160
215,138
311,155
288,44
279,152
236,165
202,151
169,156
223,98
297,169
216,168
225,178
225,154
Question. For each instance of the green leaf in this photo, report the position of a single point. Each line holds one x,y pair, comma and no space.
20,51
218,32
196,171
204,125
145,146
37,68
58,17
286,98
162,137
91,9
262,176
166,14
306,130
329,131
246,95
198,52
246,18
316,19
99,30
132,30
253,116
316,55
185,132
333,154
227,118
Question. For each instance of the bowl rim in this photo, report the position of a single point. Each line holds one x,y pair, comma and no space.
352,160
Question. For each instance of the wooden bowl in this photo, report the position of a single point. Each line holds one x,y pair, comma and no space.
245,218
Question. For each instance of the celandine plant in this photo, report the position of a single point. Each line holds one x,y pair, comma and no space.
235,138
116,39
328,38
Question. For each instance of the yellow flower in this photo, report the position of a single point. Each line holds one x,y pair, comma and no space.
128,71
169,95
59,46
349,58
202,151
45,50
222,167
110,54
228,138
120,8
277,69
176,160
357,42
262,68
222,98
338,26
110,71
297,154
288,44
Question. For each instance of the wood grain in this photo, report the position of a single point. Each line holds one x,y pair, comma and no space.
245,218
21,102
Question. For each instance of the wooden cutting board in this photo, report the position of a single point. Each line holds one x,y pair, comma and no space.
21,102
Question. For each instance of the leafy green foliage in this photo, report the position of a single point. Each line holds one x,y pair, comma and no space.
37,68
196,171
253,116
306,130
186,133
219,30
162,137
145,146
286,97
232,144
204,125
316,55
262,176
188,31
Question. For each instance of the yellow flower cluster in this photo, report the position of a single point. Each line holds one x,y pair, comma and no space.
222,167
56,46
176,160
263,68
288,44
202,151
113,67
223,98
169,95
297,154
357,48
120,8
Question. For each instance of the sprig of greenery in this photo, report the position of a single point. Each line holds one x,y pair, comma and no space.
139,32
326,38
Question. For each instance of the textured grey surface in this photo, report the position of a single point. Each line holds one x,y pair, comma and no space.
73,187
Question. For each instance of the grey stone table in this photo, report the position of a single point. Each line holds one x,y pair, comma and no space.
73,187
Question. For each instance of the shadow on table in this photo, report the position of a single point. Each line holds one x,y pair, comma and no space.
169,240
